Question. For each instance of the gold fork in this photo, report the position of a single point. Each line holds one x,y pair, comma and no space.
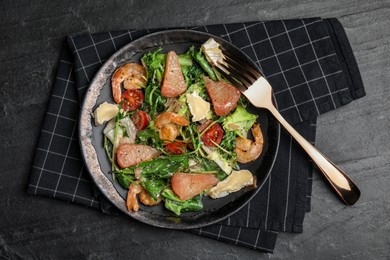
256,88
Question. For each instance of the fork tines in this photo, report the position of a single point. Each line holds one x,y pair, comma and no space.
238,72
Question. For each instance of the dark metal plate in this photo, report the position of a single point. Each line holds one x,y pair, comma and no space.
98,165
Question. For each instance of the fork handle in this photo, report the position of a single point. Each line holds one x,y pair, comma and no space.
338,179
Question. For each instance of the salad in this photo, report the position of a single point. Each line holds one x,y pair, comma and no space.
178,130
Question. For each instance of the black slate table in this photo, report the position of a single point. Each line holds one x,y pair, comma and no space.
32,227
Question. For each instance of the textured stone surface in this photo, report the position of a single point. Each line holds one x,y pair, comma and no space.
356,136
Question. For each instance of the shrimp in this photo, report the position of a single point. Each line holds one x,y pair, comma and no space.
167,122
132,75
146,199
131,200
136,189
170,117
169,132
248,150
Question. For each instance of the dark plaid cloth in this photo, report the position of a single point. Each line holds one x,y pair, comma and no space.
308,62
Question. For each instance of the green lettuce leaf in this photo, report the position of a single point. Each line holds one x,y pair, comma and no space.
240,121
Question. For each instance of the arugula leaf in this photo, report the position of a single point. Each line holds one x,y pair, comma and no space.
153,99
125,179
150,137
177,206
192,74
202,61
229,141
154,186
204,164
164,167
229,144
154,63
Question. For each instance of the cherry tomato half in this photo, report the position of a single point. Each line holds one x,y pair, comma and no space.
213,135
175,147
132,99
141,120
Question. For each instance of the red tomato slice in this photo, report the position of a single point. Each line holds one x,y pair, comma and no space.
132,99
213,135
175,147
141,120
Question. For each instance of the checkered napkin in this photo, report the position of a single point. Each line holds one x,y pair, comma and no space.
308,62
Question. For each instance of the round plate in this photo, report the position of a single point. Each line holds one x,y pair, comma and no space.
98,165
